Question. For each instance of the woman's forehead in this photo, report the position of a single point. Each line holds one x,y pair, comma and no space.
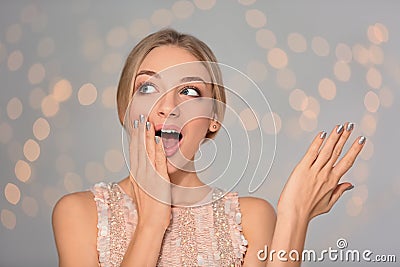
172,63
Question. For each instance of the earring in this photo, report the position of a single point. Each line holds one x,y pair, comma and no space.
214,126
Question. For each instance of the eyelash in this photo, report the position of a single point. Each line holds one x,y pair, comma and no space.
153,85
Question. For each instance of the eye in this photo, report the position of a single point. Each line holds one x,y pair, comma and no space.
190,91
147,88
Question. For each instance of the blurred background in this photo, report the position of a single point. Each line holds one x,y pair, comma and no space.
318,64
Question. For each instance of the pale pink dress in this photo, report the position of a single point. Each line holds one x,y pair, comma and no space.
207,235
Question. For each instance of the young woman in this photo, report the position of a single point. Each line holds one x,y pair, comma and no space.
152,218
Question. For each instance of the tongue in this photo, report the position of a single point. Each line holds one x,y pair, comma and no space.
170,141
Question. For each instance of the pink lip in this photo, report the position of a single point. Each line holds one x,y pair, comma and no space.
170,151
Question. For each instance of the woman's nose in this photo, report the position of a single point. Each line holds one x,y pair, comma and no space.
167,105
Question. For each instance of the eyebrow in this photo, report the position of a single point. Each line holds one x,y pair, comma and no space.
183,80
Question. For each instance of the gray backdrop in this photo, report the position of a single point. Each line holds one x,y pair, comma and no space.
318,63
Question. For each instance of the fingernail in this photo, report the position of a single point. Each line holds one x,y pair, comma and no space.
339,129
135,124
141,118
362,140
350,126
147,125
323,135
349,188
157,139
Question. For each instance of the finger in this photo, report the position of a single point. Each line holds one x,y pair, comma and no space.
141,149
313,150
133,149
338,192
348,160
150,144
160,159
340,144
327,149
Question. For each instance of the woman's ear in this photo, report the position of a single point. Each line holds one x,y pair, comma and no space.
214,126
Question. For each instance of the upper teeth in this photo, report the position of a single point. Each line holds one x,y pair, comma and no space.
169,131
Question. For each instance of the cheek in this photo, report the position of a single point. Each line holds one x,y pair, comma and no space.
198,129
141,105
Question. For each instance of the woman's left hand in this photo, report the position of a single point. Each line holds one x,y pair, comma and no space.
313,187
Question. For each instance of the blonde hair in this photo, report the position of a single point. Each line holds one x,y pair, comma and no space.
171,37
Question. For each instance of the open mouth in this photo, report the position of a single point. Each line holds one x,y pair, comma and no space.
171,139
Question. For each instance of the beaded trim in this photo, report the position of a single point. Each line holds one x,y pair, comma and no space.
216,228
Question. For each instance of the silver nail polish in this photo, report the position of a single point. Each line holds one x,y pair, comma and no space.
323,135
147,125
350,126
141,118
135,124
339,129
349,188
362,140
157,139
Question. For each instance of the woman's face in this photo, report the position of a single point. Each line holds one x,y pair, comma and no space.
172,89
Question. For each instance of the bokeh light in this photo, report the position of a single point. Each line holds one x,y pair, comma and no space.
265,38
327,89
342,71
249,119
313,106
353,207
8,219
41,129
343,53
15,60
360,54
360,171
277,58
139,28
256,18
87,94
49,106
371,101
12,193
22,171
108,97
374,78
308,121
14,108
161,18
72,182
31,150
298,100
376,55
247,2
36,73
62,90
204,4
267,123
320,46
13,33
182,9
117,37
297,43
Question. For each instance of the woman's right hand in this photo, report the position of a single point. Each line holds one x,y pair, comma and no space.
149,177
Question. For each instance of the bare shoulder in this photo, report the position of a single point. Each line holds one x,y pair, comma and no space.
75,229
257,209
258,222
